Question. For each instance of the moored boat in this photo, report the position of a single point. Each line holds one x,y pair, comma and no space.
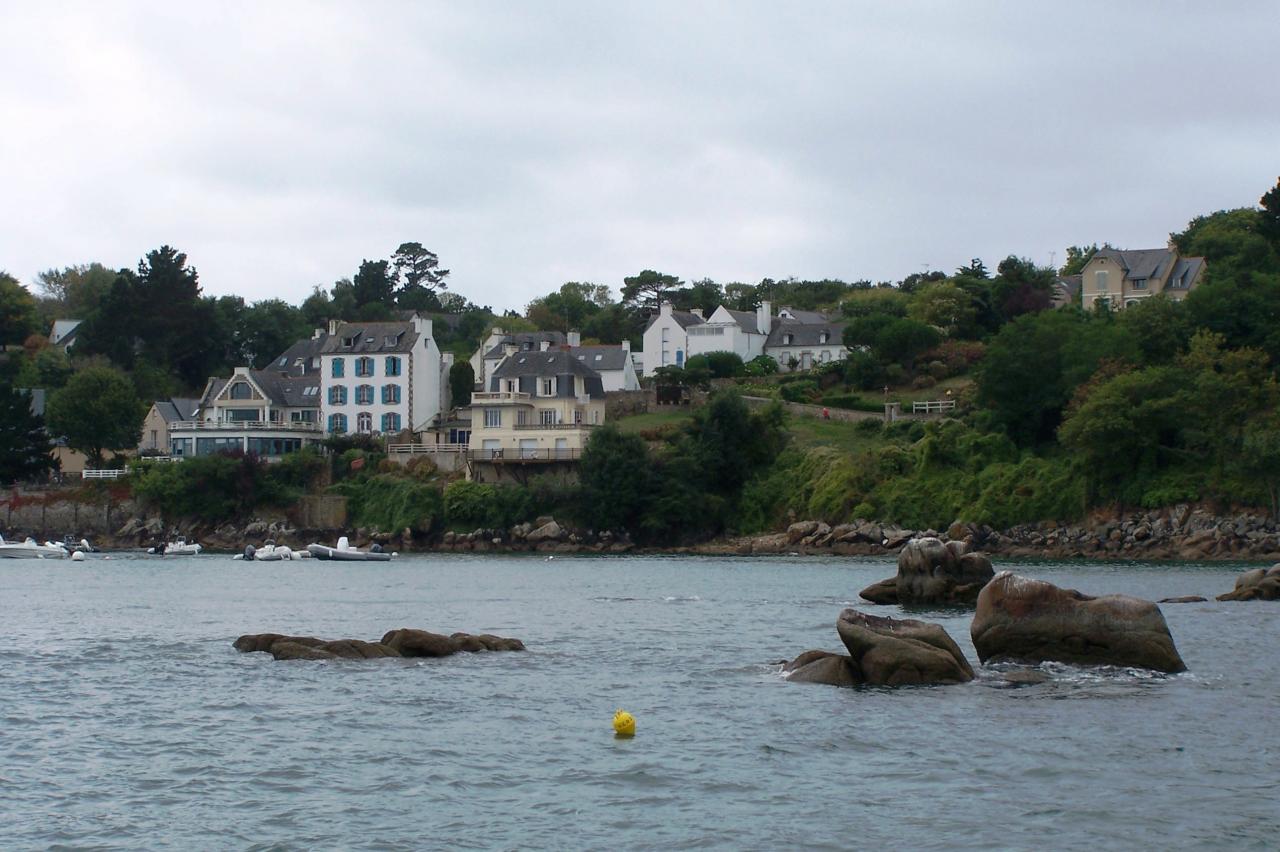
30,549
344,552
178,547
271,552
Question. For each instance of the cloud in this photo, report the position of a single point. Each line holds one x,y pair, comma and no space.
280,144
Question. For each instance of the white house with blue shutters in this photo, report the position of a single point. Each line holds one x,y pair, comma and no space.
382,377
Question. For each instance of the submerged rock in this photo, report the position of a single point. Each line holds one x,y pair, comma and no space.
930,572
1183,599
397,643
1031,621
1258,584
822,667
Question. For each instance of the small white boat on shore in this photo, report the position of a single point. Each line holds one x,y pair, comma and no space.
178,547
30,549
344,552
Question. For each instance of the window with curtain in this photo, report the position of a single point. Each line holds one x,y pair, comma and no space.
338,368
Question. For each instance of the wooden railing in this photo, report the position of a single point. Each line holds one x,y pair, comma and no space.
933,406
244,425
111,473
515,454
424,449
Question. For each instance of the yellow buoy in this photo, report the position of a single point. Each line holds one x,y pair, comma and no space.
624,724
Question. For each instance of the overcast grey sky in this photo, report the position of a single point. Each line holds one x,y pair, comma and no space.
279,143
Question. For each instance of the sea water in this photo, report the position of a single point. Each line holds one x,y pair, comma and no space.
129,721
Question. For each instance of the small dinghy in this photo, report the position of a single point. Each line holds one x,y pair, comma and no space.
30,549
177,547
270,552
344,552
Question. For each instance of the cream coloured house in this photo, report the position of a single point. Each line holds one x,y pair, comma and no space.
539,409
1122,278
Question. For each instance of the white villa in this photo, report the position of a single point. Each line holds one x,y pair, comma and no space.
254,411
382,376
498,344
614,364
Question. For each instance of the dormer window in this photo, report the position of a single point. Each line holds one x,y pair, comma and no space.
1139,283
786,340
391,340
823,336
547,387
241,390
349,342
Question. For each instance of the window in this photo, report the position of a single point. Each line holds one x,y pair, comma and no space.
348,342
305,416
391,340
337,395
241,390
180,447
211,446
364,366
595,416
392,365
364,422
1139,283
786,340
337,423
522,417
1100,279
511,386
548,416
492,418
241,415
274,446
390,394
679,357
823,337
364,394
391,423
577,415
547,387
666,335
338,367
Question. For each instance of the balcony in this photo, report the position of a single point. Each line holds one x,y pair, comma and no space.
547,426
243,426
514,455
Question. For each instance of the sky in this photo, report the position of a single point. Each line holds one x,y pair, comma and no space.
279,144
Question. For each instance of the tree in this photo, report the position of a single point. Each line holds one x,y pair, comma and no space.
97,410
462,381
1269,225
704,295
721,365
1159,326
268,328
24,444
75,291
613,324
902,340
419,275
568,308
944,306
648,290
373,284
728,442
1077,258
17,311
1260,461
976,269
614,478
741,297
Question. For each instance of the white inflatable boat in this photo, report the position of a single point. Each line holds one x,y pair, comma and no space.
344,552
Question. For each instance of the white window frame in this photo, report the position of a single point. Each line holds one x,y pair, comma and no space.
493,418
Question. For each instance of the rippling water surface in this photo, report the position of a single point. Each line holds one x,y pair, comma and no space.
129,721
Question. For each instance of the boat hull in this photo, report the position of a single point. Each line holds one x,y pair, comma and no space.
335,554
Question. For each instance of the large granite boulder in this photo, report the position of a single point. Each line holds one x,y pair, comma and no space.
930,572
822,667
1031,621
897,652
1259,584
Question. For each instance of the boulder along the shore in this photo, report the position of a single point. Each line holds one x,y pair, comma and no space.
884,652
1031,621
931,572
1258,584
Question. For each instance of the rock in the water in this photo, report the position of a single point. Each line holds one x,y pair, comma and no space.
1259,584
419,643
898,652
824,668
1183,599
930,572
883,592
1024,620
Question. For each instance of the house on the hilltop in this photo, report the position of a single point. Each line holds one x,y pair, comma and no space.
536,414
1122,278
162,414
666,338
613,363
800,340
382,376
263,412
741,332
1066,290
63,334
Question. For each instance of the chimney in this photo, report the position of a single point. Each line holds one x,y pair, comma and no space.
665,309
544,345
509,349
697,312
574,338
333,327
626,344
763,316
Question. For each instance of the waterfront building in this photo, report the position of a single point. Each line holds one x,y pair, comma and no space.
264,412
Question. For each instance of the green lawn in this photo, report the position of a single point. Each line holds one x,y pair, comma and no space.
847,437
653,420
907,395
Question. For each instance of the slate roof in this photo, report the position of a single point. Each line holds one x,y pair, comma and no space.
528,367
64,330
804,333
1184,272
525,340
296,360
1070,285
685,318
177,408
290,391
745,319
1140,263
371,337
601,357
805,316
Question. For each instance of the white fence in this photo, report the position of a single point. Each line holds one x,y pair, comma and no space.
102,474
933,406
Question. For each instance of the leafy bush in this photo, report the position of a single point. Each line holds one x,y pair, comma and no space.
721,365
851,402
212,488
477,505
938,370
801,391
391,503
761,365
924,382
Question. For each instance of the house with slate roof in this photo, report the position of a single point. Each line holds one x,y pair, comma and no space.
263,412
163,413
666,338
1122,278
800,340
613,363
498,344
63,333
382,377
538,410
